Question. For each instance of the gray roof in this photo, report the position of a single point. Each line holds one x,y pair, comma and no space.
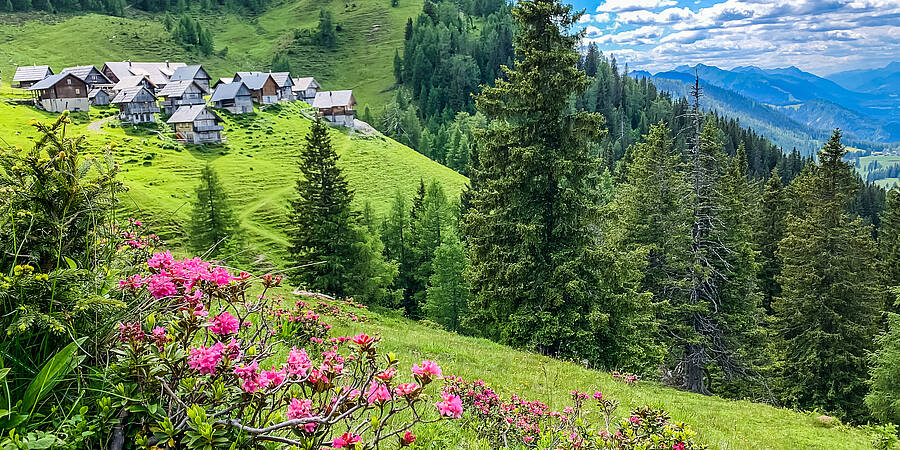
96,91
177,88
31,73
187,73
50,81
306,83
187,113
82,71
330,99
159,72
229,91
282,79
128,94
131,81
253,80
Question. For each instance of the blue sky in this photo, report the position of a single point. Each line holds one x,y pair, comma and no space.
819,36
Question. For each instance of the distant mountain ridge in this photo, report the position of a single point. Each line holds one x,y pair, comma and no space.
788,101
884,80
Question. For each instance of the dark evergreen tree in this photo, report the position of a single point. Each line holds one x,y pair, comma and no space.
213,227
883,400
398,67
532,225
409,29
828,309
331,251
591,60
281,63
325,31
768,232
447,292
435,221
889,244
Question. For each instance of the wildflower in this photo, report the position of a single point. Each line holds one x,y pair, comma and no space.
678,446
427,371
298,363
161,286
270,379
635,420
161,261
408,438
363,340
205,359
131,332
450,405
131,283
598,396
299,409
387,374
233,350
406,389
345,440
224,324
159,336
220,276
249,376
377,393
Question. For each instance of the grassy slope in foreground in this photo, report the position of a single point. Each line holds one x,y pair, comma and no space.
723,424
258,168
370,32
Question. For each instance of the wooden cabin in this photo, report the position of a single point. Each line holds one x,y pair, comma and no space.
135,81
337,107
180,93
61,92
27,76
196,73
305,89
158,72
99,97
90,75
136,105
196,124
263,87
234,97
285,86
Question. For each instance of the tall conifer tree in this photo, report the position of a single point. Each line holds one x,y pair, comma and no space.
828,309
769,231
889,244
213,226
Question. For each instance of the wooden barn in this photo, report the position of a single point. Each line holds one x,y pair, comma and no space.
305,89
180,93
27,76
196,124
195,73
61,92
262,86
158,72
337,107
135,81
90,75
99,97
136,105
285,86
234,97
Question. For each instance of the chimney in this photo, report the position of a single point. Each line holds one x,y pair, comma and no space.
129,63
167,64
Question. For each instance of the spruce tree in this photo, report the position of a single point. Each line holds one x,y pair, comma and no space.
447,293
768,232
213,228
398,248
532,227
883,400
332,252
889,244
828,308
281,63
434,223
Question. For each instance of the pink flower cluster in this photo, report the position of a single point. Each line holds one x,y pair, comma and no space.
224,324
627,378
205,359
450,405
345,440
171,276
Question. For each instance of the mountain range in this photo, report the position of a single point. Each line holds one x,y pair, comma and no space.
796,108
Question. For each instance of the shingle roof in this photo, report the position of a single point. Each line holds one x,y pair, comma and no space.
95,91
177,88
31,73
304,83
128,94
282,79
229,91
131,81
186,73
49,82
188,114
330,99
81,71
159,72
254,80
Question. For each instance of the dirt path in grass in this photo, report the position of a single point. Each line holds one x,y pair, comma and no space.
95,126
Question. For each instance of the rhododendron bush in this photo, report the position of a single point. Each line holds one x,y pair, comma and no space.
519,422
218,367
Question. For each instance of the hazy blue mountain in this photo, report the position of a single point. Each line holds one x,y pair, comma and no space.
885,80
804,98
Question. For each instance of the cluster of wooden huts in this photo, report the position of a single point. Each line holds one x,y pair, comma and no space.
141,90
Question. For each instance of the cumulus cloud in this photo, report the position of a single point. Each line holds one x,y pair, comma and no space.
598,18
818,35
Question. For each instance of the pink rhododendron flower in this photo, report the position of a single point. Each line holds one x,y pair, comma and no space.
345,440
678,446
406,389
298,363
161,286
299,409
377,393
220,276
131,283
363,340
205,359
635,420
408,438
450,405
428,369
162,260
270,379
387,374
159,336
233,350
224,324
598,396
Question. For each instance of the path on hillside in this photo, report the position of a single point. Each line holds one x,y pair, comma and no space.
95,126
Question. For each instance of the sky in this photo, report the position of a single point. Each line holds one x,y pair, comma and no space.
818,36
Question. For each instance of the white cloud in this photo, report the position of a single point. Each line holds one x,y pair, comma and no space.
633,5
599,18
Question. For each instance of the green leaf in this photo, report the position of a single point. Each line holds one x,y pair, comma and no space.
50,375
3,373
42,443
70,262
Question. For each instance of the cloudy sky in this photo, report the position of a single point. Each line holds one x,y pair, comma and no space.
819,36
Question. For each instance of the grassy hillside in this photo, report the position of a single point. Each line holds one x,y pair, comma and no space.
257,166
723,424
370,31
